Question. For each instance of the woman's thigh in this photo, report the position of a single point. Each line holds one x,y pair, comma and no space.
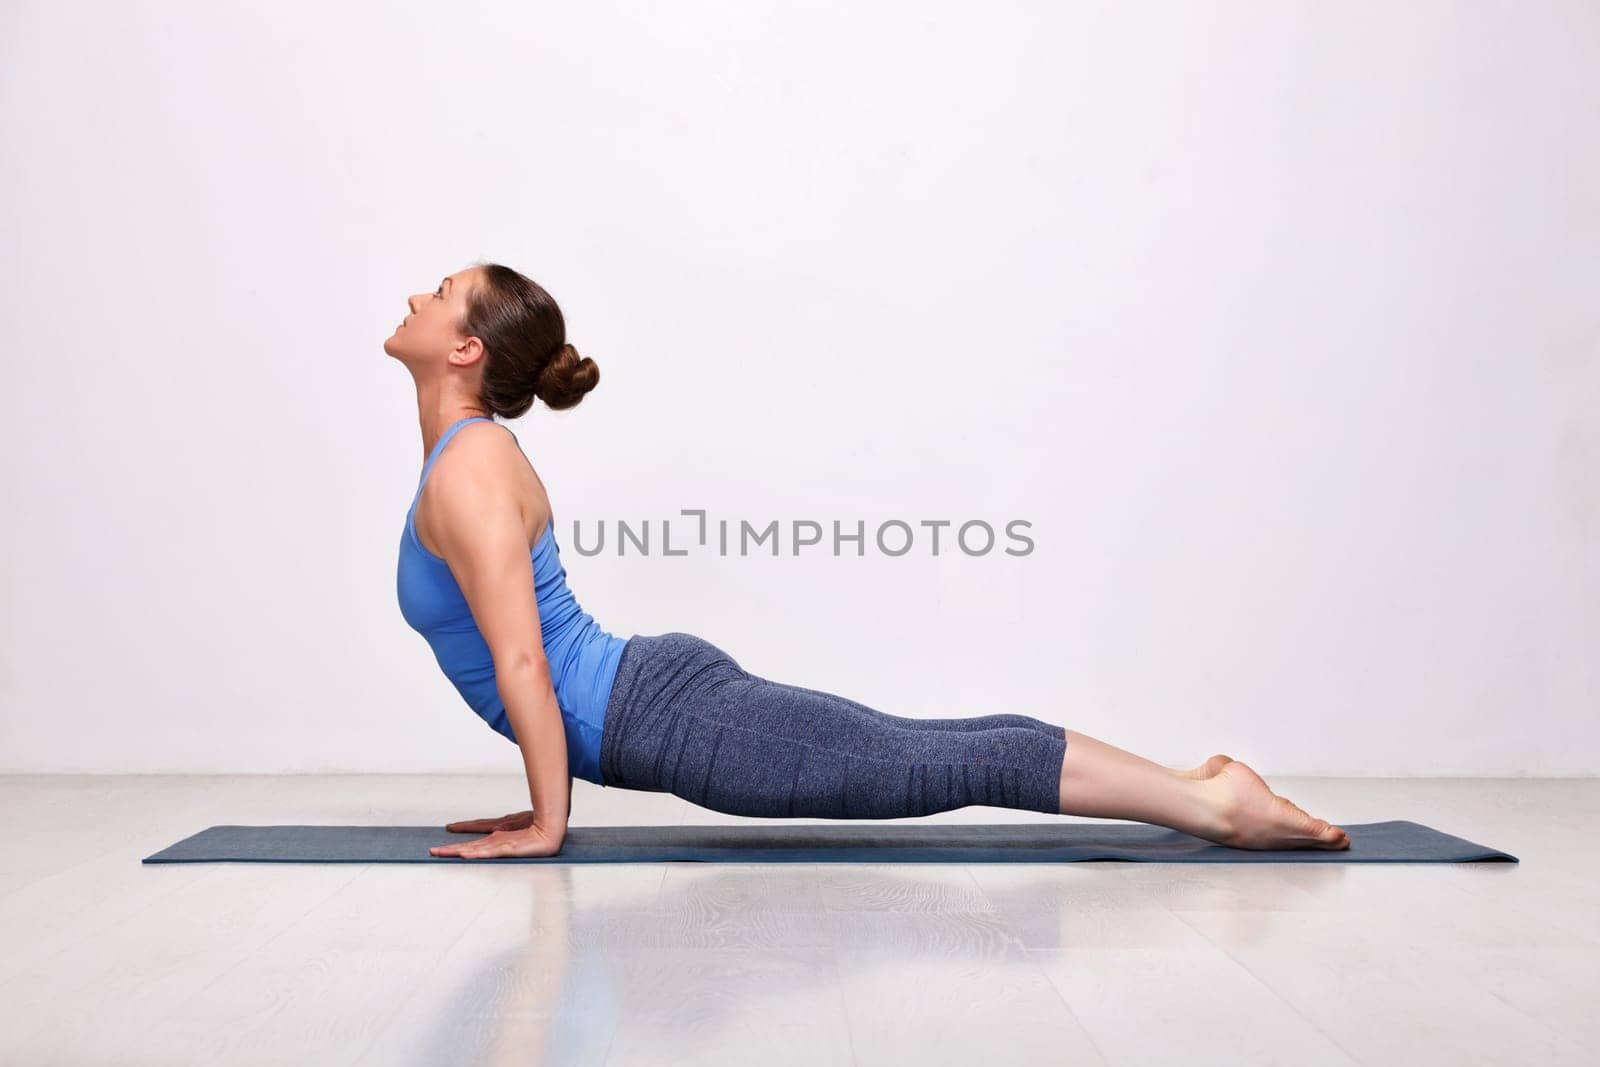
964,723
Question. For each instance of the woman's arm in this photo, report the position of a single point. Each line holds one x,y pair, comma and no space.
479,527
529,695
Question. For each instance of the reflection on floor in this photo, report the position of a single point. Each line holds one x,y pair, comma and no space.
109,960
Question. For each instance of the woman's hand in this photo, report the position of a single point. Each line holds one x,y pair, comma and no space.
530,841
518,821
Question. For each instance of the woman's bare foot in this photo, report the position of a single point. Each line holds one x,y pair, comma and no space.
1253,816
1208,769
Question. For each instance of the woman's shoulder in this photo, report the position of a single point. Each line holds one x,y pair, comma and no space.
481,444
493,450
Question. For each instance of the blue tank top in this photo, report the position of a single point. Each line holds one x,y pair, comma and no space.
583,657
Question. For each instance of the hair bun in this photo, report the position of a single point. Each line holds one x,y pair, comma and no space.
566,378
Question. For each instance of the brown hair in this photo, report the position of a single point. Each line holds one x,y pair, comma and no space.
524,337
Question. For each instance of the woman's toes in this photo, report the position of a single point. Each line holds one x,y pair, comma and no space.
1333,837
1319,830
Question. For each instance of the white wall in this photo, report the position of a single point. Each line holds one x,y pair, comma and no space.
1277,321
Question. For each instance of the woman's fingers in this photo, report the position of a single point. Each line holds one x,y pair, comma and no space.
520,820
469,851
533,841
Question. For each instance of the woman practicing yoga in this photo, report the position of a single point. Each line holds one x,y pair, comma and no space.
480,577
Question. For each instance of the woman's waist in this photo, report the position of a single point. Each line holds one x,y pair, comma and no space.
582,668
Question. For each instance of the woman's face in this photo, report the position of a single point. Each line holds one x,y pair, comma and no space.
431,330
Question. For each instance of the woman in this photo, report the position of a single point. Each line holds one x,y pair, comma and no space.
673,712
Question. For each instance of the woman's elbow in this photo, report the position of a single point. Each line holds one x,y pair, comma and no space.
523,667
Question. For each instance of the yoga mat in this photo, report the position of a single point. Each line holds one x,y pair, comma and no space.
1396,841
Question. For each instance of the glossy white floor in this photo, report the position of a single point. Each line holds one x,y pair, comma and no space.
107,960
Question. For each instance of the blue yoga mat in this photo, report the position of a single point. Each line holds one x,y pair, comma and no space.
1397,841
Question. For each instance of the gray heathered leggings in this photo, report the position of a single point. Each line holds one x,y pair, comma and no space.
685,718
